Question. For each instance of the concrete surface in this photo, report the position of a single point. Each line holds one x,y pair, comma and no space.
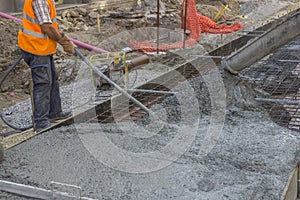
252,159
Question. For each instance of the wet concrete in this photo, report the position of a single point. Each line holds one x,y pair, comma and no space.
252,158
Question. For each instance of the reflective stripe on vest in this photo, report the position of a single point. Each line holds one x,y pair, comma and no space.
35,21
35,34
32,20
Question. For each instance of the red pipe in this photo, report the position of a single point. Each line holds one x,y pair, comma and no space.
78,43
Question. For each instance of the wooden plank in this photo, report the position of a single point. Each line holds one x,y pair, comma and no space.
15,139
291,189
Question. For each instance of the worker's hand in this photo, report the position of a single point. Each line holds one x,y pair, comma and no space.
67,44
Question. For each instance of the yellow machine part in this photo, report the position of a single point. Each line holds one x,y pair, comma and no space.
220,13
116,57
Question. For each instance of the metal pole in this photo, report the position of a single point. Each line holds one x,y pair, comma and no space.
208,56
281,101
1,150
249,35
254,31
151,91
184,23
32,102
95,69
291,61
157,21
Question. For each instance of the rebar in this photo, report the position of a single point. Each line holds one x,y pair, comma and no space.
158,21
280,101
151,91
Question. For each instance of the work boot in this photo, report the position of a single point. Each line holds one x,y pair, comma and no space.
60,115
41,126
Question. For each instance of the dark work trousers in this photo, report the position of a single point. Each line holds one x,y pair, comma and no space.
46,97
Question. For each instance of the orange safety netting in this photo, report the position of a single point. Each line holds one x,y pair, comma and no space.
196,23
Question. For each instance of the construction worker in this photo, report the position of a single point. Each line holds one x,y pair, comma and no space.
38,39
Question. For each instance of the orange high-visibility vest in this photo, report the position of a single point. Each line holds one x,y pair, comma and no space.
31,38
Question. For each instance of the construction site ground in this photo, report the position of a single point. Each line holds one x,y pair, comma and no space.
252,158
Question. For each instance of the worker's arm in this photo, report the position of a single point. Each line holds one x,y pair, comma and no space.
60,38
42,13
52,32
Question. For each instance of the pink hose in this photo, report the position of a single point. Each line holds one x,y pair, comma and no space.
10,17
78,43
87,46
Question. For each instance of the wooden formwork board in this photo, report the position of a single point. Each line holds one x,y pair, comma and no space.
290,191
15,139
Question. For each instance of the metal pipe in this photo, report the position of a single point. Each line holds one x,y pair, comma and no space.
274,61
144,59
268,42
157,21
281,101
32,102
151,91
184,23
208,56
96,70
291,61
254,31
249,35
